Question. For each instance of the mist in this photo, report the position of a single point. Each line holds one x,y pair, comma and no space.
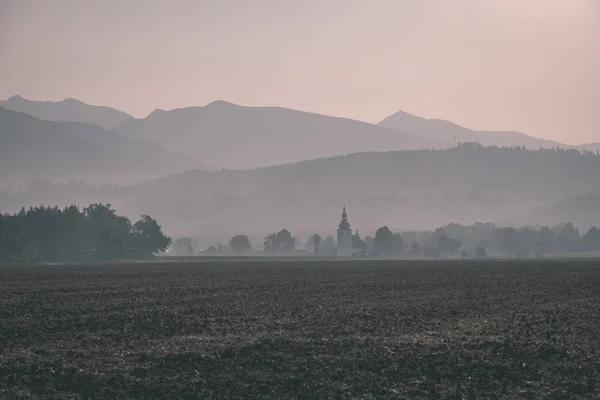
414,115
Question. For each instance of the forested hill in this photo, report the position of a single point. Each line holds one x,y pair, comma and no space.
582,210
404,190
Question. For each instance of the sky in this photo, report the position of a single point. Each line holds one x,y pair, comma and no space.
526,65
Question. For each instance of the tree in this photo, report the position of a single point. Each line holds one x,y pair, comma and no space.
280,242
149,237
398,243
480,252
240,244
386,243
297,242
286,241
184,246
441,244
329,243
270,243
507,241
431,251
314,243
108,233
464,253
568,238
370,242
545,241
591,240
527,242
358,244
447,245
70,234
415,249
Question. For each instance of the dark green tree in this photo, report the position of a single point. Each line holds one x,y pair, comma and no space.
71,234
567,238
329,243
591,240
280,242
148,237
314,242
240,244
386,243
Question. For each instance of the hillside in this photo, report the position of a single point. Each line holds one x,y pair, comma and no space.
405,190
582,210
34,149
594,147
68,110
230,136
446,131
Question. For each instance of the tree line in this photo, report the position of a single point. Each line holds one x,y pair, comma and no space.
97,232
454,240
94,233
485,239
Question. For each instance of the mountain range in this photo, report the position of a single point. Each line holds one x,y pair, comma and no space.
387,172
68,110
582,210
227,135
414,189
404,189
31,149
450,133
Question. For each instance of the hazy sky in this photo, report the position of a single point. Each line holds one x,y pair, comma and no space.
528,65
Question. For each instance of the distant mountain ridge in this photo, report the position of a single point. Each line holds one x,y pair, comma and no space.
421,189
232,136
447,131
31,148
407,190
582,210
68,110
226,135
593,147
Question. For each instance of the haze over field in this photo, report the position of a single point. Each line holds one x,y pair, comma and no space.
274,115
407,190
299,198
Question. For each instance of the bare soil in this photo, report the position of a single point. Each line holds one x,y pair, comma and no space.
300,329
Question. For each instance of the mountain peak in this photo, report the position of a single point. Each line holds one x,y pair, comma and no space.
450,132
71,100
69,109
401,113
16,97
220,103
157,111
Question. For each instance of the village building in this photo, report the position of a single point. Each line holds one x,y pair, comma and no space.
344,236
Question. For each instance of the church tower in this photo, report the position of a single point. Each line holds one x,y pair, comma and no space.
344,236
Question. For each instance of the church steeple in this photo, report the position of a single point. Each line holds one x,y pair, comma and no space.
345,225
344,236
